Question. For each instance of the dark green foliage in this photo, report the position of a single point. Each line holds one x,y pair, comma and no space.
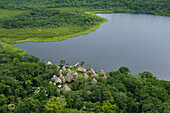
47,18
139,6
28,105
146,74
124,70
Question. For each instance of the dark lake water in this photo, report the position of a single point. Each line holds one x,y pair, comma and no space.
139,41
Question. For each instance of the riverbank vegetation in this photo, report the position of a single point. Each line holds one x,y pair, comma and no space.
29,85
11,49
55,20
47,25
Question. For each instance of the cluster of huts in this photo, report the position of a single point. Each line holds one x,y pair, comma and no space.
69,77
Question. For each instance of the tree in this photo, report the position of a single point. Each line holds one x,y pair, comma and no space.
28,105
82,63
146,74
124,70
62,63
109,105
55,105
3,99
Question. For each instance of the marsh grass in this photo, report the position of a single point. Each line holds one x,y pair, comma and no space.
46,34
11,48
5,12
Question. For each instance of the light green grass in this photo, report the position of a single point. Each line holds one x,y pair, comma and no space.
4,12
43,34
12,49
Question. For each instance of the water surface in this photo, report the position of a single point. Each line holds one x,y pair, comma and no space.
139,41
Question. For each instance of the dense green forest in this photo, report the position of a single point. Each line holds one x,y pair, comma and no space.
161,7
114,92
48,18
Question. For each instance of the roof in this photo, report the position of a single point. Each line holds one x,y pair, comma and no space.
69,77
37,90
54,77
104,77
64,69
85,77
49,63
62,78
94,75
69,71
58,80
102,72
66,88
75,75
92,71
94,81
81,69
59,71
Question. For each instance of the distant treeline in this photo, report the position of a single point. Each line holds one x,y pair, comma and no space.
161,7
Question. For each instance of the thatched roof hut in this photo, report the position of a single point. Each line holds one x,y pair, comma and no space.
104,77
69,77
94,75
92,71
58,80
49,63
37,90
60,71
81,69
75,75
69,71
64,69
85,77
102,72
54,77
94,81
62,78
66,88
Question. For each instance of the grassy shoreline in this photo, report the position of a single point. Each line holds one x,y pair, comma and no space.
48,34
59,38
12,49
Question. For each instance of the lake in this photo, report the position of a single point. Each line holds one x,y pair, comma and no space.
138,41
